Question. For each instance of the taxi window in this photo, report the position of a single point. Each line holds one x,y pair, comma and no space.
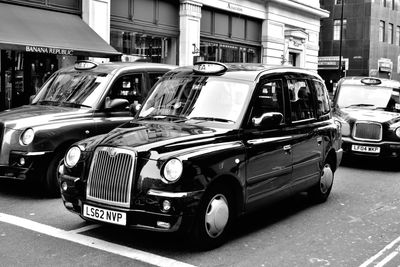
300,100
154,77
323,106
128,87
269,98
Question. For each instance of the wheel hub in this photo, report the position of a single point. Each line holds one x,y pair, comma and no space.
326,178
217,215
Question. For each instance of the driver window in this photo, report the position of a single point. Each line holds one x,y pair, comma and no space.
269,98
128,87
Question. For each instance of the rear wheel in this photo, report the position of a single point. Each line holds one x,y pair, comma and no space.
320,192
214,218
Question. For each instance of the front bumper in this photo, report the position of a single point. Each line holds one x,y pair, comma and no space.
23,164
146,211
387,149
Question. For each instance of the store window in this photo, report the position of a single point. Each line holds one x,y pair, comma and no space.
145,47
214,51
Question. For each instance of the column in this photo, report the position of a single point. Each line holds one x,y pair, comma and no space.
189,24
96,13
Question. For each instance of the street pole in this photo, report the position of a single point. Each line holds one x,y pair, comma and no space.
340,42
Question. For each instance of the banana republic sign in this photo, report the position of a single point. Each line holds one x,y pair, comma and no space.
49,50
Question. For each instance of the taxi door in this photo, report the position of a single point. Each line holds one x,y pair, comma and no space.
307,146
269,159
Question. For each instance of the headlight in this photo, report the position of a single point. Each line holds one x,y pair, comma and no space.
72,157
172,170
398,132
345,128
27,137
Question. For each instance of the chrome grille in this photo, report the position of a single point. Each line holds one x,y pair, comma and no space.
111,176
367,131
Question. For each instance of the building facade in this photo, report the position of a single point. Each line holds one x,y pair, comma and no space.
369,42
178,32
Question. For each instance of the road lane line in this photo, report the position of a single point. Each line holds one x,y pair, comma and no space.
380,253
92,242
85,228
387,259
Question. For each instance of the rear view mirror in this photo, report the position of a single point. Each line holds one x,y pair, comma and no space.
268,120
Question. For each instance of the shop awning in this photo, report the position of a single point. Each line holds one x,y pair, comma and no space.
51,32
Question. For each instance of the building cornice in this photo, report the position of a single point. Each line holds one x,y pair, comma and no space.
322,13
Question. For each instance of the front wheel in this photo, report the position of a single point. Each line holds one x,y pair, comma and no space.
213,220
320,192
50,180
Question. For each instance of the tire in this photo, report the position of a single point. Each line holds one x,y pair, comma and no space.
50,181
320,192
213,219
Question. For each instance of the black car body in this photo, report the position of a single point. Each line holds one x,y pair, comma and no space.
211,142
76,102
369,111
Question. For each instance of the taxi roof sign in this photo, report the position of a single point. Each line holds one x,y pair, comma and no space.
371,81
85,65
209,67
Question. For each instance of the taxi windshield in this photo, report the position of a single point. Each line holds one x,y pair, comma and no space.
374,97
198,98
76,89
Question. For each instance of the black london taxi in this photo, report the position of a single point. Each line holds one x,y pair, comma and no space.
211,142
76,102
369,111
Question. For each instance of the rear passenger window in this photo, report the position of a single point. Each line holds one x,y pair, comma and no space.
323,106
301,101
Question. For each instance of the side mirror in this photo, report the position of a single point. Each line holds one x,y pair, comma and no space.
268,120
135,107
116,104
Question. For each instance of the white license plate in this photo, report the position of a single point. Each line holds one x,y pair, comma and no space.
105,215
366,149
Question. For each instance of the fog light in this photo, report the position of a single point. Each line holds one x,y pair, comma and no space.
22,161
163,225
64,186
166,205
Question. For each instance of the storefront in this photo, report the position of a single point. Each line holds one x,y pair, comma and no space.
146,30
229,37
37,42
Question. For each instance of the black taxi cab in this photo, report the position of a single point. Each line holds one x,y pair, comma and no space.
369,111
211,142
77,102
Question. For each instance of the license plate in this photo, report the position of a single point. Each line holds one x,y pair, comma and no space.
105,215
366,149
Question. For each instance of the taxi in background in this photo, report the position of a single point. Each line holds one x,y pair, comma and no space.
76,102
210,143
369,111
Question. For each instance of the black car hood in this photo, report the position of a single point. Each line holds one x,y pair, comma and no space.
161,137
373,115
35,115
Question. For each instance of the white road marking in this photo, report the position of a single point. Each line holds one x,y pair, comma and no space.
382,252
92,242
85,228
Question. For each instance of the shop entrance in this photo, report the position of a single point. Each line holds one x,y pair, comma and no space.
22,75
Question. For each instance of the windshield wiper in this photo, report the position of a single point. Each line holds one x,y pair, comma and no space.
73,104
211,119
160,117
47,102
361,105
